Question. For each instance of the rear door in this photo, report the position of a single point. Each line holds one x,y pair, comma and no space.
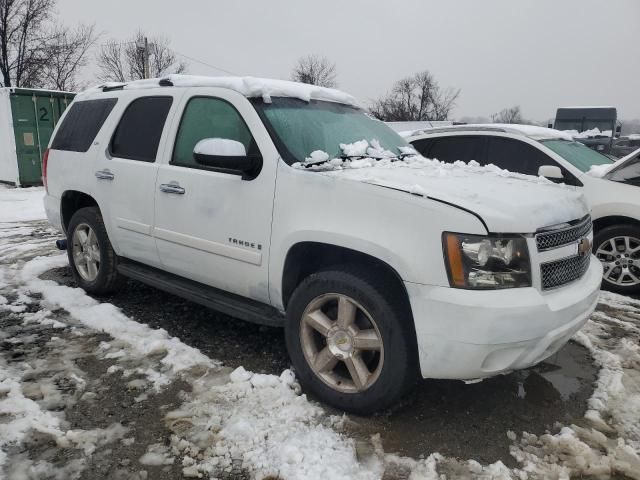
520,157
75,146
125,172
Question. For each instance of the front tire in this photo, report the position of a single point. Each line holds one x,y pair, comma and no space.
91,257
618,248
350,344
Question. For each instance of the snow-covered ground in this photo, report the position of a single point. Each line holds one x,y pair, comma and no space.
225,422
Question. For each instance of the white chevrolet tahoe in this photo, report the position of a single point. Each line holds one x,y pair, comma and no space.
286,204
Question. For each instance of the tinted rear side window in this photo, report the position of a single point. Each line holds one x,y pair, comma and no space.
81,124
451,149
138,133
516,156
423,146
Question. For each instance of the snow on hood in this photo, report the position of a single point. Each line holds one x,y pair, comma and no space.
507,202
250,87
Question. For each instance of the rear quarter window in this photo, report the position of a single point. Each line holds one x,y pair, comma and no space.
81,124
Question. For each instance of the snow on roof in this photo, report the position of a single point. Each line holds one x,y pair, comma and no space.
532,131
250,87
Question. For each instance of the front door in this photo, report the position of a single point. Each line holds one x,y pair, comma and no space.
213,226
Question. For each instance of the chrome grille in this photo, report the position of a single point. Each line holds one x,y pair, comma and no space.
560,272
563,236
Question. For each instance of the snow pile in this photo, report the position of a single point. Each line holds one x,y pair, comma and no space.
599,171
591,133
20,415
21,204
251,87
611,442
108,318
263,422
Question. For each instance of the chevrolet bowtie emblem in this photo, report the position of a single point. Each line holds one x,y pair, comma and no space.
584,247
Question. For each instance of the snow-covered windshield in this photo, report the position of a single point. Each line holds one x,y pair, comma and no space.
579,155
303,127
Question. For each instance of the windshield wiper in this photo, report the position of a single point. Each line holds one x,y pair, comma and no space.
395,158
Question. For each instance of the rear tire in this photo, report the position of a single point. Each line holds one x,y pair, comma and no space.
364,366
91,257
618,248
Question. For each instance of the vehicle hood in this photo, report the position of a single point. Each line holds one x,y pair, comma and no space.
507,202
620,162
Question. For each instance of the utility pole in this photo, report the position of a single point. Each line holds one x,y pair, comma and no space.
146,58
143,48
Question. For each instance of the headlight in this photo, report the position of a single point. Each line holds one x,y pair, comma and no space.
486,262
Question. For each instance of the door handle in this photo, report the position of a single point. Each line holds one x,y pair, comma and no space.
105,174
172,188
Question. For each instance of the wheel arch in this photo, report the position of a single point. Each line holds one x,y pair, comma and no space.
610,220
308,257
71,201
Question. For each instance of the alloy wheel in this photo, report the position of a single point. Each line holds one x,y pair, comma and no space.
86,252
620,257
341,343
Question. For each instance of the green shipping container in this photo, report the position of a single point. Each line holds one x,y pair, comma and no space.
27,120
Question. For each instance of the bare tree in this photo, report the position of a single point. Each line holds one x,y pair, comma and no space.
315,70
111,62
23,41
67,53
123,61
415,98
508,115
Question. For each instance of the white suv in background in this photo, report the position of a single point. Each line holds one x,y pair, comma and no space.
614,197
286,204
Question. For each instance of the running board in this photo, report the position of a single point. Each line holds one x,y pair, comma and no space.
216,299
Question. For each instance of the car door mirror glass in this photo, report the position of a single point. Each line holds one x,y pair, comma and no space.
550,171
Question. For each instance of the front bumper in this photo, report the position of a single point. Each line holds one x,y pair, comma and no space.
467,334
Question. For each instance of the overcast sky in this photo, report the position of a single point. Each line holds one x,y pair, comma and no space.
539,54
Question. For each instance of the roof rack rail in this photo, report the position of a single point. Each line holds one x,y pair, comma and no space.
165,82
111,88
460,128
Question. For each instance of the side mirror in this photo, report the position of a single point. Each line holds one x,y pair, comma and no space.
550,171
227,156
618,131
